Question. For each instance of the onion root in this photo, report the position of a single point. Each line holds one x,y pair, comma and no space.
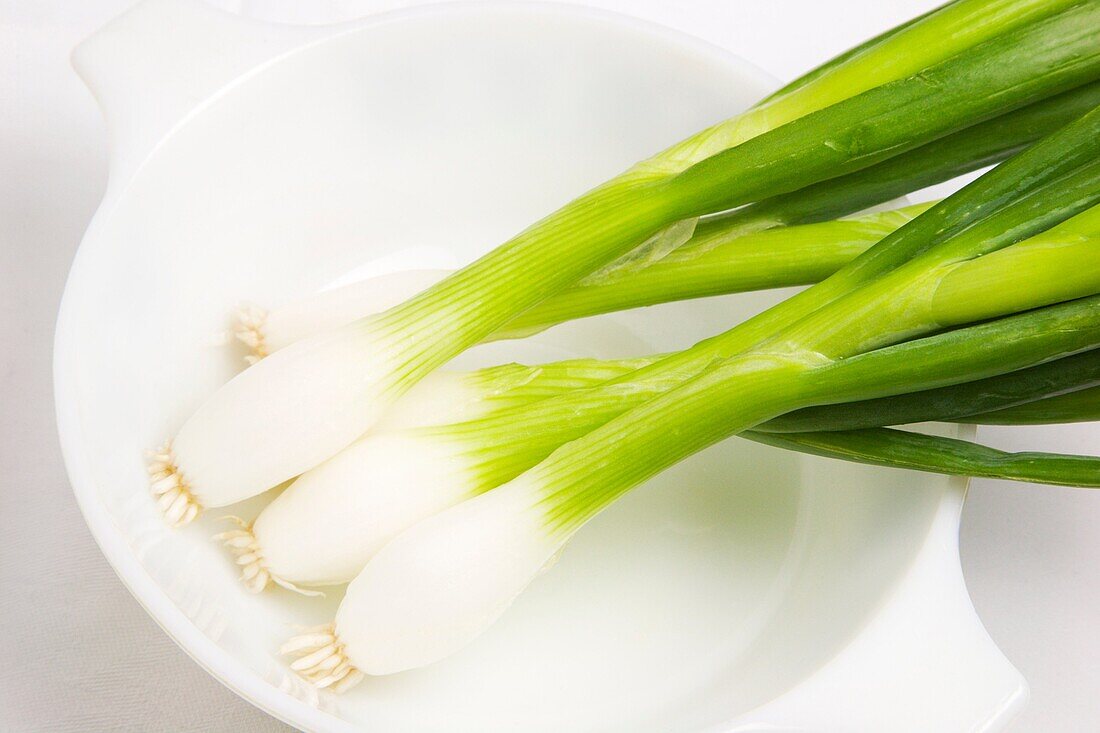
321,660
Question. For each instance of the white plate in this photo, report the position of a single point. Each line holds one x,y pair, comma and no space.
746,589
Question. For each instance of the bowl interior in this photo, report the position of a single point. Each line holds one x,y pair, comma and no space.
421,142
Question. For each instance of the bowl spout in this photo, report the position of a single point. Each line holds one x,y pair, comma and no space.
155,64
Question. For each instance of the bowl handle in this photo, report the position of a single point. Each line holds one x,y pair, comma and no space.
159,61
924,662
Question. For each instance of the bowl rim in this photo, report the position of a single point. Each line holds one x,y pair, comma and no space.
215,660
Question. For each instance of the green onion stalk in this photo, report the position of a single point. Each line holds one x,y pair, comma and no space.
982,144
723,254
1062,390
1079,406
894,448
730,263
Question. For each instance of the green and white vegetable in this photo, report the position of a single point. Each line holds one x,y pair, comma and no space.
723,261
830,344
293,410
441,495
979,145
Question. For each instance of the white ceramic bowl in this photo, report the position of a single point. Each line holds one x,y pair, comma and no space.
747,589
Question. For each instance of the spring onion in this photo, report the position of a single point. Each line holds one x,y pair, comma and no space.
264,427
726,263
838,350
976,146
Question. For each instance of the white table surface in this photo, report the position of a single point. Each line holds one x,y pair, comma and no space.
77,653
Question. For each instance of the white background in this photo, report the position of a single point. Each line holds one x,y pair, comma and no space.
76,651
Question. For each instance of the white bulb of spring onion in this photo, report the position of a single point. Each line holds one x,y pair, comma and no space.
434,588
327,525
275,420
267,331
